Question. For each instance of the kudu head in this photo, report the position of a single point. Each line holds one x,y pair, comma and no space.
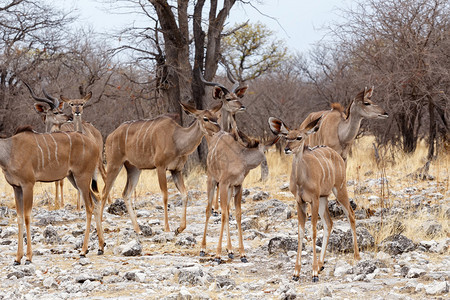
363,106
230,99
206,118
295,137
50,110
77,104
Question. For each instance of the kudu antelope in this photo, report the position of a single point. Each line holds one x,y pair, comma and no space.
316,172
54,121
228,163
51,113
231,105
160,144
29,157
87,128
338,129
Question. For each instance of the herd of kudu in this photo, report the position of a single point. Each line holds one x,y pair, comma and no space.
73,148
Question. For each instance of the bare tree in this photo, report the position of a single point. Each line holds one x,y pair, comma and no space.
401,47
31,33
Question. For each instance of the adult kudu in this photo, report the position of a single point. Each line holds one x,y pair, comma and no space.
161,144
29,157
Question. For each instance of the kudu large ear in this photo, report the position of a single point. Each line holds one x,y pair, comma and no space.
190,110
368,92
218,92
278,127
240,92
64,99
40,108
313,126
87,97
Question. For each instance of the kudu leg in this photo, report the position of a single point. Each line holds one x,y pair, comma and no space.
163,186
27,206
133,175
229,246
61,192
215,209
327,228
56,195
301,215
179,183
98,221
314,217
18,195
112,173
342,197
224,219
210,189
237,205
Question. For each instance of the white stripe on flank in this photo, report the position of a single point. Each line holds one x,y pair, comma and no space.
320,164
48,149
126,135
138,133
56,148
84,150
221,134
70,144
145,135
40,149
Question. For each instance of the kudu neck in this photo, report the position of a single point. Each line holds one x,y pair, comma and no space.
348,129
78,123
188,138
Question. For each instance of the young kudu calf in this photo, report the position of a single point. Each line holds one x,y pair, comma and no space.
316,172
228,163
159,143
29,157
338,130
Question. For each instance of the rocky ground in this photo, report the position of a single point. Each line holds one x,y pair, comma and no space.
164,266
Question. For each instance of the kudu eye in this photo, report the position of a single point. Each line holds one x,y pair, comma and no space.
367,103
299,138
205,119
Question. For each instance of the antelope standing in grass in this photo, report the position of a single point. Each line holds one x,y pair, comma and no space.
228,163
29,157
231,105
160,144
338,130
54,120
316,173
51,113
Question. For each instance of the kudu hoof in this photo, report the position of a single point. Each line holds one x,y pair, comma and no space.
16,263
177,231
202,253
321,269
82,255
100,252
215,213
244,259
231,255
315,279
295,278
218,260
27,262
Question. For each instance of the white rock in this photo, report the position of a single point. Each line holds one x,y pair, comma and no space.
437,288
50,282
